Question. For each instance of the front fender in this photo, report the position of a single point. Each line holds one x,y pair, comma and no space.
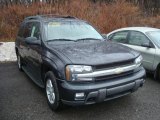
56,66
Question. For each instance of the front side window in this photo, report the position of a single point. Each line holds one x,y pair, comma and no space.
155,36
137,38
32,29
35,32
119,37
71,30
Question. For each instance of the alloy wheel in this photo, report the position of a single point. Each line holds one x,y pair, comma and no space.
50,91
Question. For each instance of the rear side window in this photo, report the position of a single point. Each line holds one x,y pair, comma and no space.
120,37
21,29
137,38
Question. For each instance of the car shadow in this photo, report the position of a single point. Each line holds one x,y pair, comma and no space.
33,84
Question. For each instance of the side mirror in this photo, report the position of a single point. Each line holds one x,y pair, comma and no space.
148,45
104,36
32,41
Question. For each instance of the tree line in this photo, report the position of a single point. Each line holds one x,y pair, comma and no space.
149,7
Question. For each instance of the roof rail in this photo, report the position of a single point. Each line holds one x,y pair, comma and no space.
57,16
48,15
32,17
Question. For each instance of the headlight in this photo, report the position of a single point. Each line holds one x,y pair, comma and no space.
73,70
138,60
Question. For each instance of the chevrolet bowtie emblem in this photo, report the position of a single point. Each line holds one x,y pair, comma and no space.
118,70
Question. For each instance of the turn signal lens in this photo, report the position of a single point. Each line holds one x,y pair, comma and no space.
68,75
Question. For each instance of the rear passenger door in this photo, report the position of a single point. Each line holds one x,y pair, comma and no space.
23,46
136,40
20,40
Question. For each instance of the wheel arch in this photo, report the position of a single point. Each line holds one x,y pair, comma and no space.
156,71
158,66
16,49
46,67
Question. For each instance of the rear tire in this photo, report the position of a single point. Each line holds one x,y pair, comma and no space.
52,92
19,62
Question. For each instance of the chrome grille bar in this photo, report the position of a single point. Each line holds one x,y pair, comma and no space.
112,71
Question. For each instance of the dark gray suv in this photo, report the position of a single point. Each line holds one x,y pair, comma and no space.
73,62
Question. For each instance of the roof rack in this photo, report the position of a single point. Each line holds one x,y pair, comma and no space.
32,18
49,15
57,16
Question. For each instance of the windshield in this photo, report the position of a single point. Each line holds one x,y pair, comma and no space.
155,36
70,31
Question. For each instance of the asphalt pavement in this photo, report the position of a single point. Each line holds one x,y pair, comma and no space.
21,99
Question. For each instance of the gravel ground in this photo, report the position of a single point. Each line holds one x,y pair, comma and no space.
21,99
7,51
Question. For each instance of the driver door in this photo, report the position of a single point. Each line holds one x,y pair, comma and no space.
34,59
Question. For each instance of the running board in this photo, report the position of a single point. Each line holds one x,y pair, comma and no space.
33,79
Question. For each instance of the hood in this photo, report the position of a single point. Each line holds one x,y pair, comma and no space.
95,53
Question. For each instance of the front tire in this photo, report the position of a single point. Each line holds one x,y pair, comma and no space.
52,92
158,74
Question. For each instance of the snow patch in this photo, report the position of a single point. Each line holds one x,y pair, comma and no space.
7,51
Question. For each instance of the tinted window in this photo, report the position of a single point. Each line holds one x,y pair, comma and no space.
35,32
21,29
120,37
27,30
137,38
32,29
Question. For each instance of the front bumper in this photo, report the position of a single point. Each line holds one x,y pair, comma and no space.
100,91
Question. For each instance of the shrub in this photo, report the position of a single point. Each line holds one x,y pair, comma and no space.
105,17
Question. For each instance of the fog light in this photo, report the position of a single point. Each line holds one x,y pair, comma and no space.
79,96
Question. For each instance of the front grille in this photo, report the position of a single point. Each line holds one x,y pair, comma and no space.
113,65
109,77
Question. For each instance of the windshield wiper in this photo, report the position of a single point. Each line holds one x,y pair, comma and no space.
59,40
87,39
72,40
